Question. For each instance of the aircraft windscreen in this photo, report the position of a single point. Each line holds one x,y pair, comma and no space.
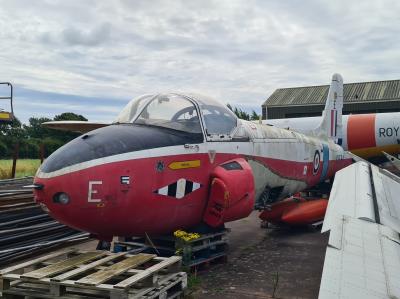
218,118
171,111
131,109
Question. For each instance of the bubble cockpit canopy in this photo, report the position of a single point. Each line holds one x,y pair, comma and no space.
179,112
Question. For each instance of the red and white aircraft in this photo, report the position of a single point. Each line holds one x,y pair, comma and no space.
173,161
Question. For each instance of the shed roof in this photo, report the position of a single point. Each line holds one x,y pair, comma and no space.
353,93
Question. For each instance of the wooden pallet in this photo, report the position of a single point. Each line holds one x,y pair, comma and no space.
209,247
73,274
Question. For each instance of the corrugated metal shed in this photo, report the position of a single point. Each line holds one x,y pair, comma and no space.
356,95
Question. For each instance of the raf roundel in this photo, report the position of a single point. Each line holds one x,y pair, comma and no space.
316,162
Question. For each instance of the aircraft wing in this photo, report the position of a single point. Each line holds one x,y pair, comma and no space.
363,255
74,126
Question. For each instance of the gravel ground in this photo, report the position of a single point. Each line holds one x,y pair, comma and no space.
261,260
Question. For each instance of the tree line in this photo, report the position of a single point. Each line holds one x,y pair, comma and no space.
32,136
243,114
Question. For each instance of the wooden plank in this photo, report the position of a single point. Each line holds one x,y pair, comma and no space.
63,265
40,290
148,272
12,276
200,247
35,293
35,261
72,283
156,258
116,269
164,283
84,268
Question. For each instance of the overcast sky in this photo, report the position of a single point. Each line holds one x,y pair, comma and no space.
92,57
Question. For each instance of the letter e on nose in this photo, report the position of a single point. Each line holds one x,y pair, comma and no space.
91,191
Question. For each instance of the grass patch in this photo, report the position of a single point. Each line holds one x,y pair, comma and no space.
193,281
25,167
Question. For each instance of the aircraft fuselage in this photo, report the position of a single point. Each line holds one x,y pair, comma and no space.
129,179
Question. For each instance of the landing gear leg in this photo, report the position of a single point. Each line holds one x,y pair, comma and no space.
264,224
103,245
263,200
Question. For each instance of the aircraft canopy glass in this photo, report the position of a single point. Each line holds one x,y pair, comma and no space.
171,111
178,112
219,120
127,115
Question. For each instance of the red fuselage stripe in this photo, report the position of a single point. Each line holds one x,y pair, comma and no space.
361,131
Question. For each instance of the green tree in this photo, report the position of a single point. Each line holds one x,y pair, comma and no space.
63,135
3,150
254,116
69,116
33,134
239,112
35,129
10,135
13,130
51,145
28,148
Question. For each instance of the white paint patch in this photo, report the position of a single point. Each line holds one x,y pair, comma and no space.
163,191
196,186
180,188
211,156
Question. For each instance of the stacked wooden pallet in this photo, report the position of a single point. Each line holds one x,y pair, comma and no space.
73,274
207,248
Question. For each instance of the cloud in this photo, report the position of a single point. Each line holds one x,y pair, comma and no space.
239,51
101,34
30,103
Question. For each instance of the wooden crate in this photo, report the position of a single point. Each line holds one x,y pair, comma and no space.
207,248
73,274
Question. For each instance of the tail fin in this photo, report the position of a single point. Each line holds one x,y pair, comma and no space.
331,123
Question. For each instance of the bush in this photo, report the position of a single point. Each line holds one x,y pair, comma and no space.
32,135
3,151
51,145
28,149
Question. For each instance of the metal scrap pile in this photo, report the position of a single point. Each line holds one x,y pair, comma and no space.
24,228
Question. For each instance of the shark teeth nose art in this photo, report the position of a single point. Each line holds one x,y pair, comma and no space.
178,189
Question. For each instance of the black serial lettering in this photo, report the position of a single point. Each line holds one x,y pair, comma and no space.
382,132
